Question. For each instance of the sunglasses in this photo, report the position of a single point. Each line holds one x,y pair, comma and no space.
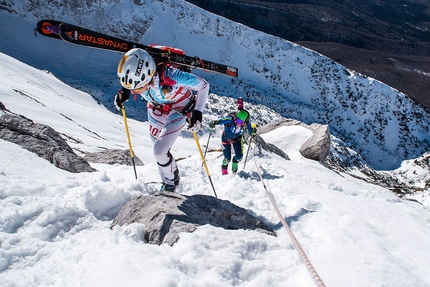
238,121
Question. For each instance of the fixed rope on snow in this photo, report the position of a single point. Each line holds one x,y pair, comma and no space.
296,243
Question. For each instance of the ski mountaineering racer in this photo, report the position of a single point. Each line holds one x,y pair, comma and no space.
174,98
235,126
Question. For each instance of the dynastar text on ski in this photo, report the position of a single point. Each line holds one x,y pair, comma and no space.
85,37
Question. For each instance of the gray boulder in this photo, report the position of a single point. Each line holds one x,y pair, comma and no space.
113,156
42,140
318,146
166,215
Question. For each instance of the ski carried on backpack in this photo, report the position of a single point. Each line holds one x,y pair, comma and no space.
85,37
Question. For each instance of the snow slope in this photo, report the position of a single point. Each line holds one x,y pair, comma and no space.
54,225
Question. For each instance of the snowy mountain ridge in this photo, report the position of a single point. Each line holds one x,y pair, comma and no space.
381,124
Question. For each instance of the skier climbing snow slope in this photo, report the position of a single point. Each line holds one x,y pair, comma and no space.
54,225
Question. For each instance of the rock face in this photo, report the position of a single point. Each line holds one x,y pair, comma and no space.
42,140
113,156
270,147
166,215
318,146
355,46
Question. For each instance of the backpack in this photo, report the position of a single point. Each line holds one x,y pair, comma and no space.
161,66
166,82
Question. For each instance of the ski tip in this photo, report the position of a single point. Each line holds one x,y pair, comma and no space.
49,28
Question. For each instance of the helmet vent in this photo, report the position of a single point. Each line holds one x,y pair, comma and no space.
136,69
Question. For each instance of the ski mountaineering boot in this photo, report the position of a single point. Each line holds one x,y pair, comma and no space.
171,187
234,166
168,187
169,184
224,166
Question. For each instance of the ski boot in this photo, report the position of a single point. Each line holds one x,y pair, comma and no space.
168,187
172,187
234,167
224,167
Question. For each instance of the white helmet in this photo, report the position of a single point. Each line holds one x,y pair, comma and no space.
136,69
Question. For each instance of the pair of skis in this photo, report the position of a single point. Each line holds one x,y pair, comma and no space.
85,37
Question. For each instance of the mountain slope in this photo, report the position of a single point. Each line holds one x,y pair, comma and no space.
386,40
54,225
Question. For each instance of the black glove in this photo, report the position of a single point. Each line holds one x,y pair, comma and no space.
121,98
195,122
213,123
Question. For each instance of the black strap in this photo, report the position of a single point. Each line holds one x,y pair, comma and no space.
169,162
189,108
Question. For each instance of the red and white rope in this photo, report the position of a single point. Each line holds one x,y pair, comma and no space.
299,248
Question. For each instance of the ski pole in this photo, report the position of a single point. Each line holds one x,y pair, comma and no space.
250,142
207,145
129,141
204,162
253,134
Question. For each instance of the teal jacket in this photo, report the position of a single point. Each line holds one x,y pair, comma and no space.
231,130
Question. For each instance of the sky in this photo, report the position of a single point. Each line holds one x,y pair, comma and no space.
54,225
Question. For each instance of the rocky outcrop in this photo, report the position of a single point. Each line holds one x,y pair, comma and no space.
42,140
113,156
166,215
318,146
261,144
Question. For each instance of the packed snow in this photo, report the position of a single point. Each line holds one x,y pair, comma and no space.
54,225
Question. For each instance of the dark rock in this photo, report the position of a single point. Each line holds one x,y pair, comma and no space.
43,141
113,156
261,144
166,215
